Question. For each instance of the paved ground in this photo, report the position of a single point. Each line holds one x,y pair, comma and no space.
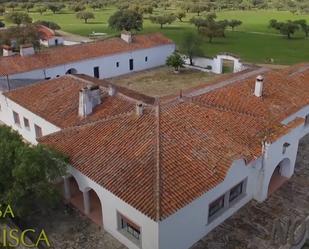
250,227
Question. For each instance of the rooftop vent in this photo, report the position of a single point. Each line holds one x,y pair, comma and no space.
126,36
26,50
111,90
139,109
89,98
7,50
258,91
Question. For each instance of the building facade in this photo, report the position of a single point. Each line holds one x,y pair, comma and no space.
161,175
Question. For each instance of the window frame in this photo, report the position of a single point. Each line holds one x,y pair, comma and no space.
212,214
36,129
129,229
236,197
26,121
16,118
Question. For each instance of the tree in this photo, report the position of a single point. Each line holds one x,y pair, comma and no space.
180,15
2,25
234,23
286,28
18,18
55,7
200,7
27,6
27,174
2,10
304,26
198,22
12,5
190,45
96,5
49,24
175,61
162,20
28,33
126,20
85,15
77,7
41,9
211,28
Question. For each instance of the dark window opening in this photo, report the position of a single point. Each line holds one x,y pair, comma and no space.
216,206
307,120
16,118
26,123
129,228
146,58
131,62
96,72
284,147
117,64
38,131
236,191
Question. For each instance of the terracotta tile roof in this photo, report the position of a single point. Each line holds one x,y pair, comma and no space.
45,32
57,101
66,54
179,150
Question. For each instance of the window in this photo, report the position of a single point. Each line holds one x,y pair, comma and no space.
129,229
131,64
117,64
236,191
16,118
284,147
96,72
38,131
307,120
216,206
26,123
146,58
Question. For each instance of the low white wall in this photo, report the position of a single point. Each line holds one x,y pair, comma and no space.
6,116
111,204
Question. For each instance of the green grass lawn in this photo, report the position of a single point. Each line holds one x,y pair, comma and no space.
253,41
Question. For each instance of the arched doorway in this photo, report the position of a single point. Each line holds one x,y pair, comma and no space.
71,71
95,208
279,176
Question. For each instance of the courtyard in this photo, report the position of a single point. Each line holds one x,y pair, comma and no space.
163,81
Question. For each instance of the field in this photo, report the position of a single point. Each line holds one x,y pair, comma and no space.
162,81
253,41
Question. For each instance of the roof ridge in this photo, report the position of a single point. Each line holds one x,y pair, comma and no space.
157,192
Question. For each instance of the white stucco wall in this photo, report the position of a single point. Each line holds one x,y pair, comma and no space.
182,229
111,204
107,65
52,41
6,116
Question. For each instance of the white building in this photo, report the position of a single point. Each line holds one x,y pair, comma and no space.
163,175
48,37
101,59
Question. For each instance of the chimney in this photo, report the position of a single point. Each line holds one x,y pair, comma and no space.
139,109
258,91
126,36
89,98
26,50
7,50
111,90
